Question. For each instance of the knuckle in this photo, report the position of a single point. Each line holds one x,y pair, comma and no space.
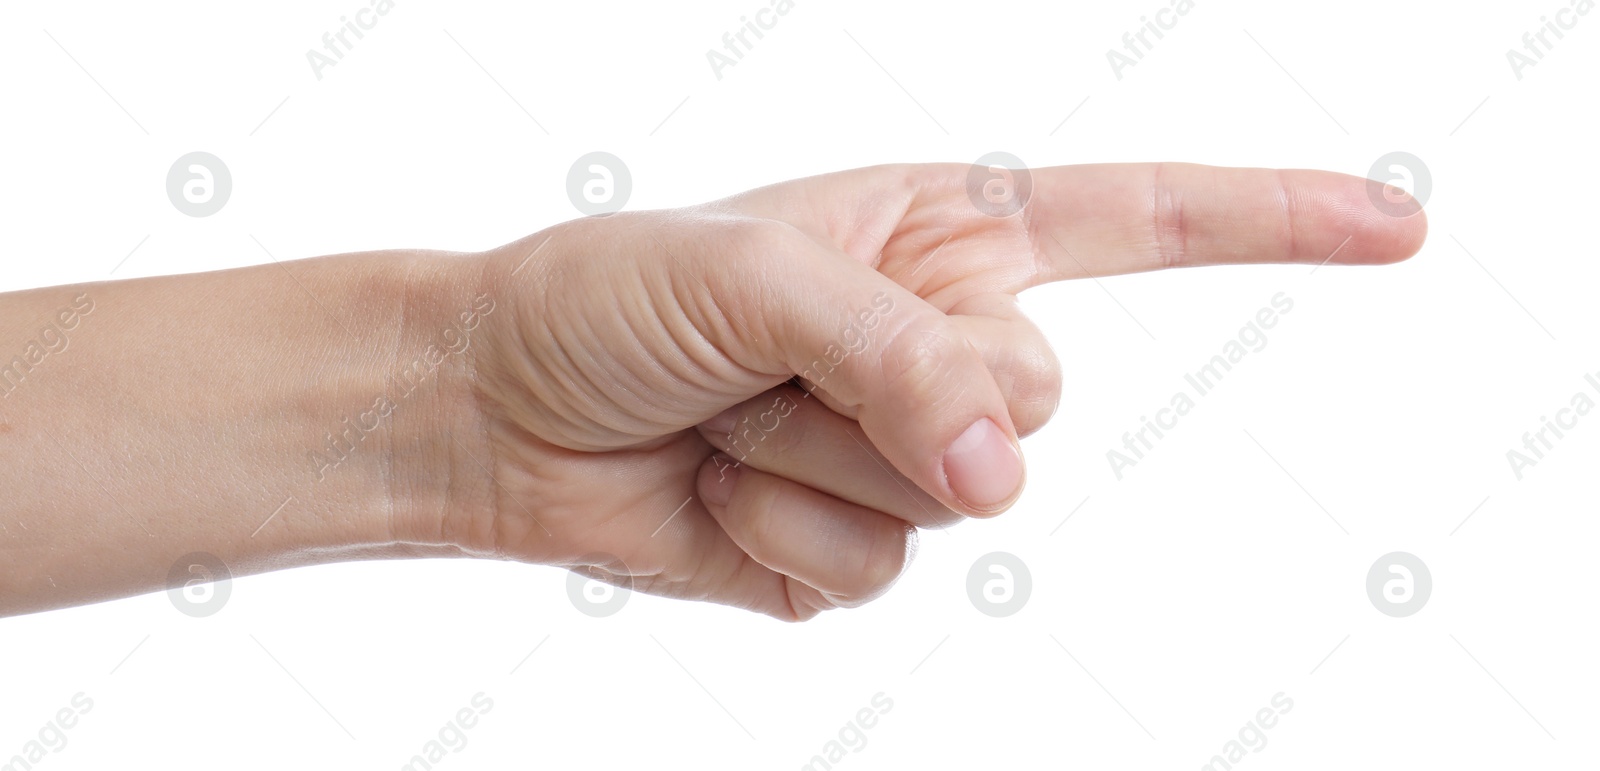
805,601
882,563
1286,203
916,357
748,238
1036,386
1168,227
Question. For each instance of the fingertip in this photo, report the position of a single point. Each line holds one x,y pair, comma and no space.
1361,222
1392,240
984,469
1394,223
1412,233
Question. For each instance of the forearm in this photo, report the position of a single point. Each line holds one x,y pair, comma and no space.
271,416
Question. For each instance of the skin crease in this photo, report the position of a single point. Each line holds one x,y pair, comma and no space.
584,425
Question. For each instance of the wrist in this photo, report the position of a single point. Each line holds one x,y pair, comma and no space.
435,467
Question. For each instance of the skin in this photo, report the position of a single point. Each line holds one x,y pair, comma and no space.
587,395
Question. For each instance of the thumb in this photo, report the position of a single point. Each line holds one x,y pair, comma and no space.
923,393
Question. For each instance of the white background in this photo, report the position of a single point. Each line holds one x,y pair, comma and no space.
1164,613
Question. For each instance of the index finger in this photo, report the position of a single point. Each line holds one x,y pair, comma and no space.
1124,218
1108,219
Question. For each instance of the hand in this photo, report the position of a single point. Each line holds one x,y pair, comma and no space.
636,424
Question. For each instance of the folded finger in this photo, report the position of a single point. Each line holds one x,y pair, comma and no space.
1015,350
848,553
790,433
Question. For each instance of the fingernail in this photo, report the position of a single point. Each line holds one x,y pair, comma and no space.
722,422
718,487
983,466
